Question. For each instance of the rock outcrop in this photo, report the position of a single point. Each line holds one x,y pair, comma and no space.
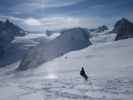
124,29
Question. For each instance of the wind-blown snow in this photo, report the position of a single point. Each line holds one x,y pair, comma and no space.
109,66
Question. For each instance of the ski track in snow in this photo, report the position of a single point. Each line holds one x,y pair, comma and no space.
108,65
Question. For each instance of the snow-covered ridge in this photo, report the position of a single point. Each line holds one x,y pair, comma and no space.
69,40
108,65
102,37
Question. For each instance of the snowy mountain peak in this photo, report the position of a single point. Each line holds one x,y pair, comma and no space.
76,33
123,22
8,31
123,28
101,29
69,40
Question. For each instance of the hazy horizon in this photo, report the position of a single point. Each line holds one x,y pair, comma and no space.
39,15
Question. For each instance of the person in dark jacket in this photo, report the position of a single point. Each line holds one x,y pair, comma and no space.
83,74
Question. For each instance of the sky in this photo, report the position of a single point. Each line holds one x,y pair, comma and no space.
39,15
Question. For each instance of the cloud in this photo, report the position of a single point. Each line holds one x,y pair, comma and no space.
32,6
57,23
41,24
57,14
32,22
53,3
67,22
60,3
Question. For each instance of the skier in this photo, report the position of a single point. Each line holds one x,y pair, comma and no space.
83,74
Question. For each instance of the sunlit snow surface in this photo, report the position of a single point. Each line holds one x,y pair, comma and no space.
109,66
102,37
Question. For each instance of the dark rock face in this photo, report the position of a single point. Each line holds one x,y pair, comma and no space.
7,33
101,29
124,29
69,40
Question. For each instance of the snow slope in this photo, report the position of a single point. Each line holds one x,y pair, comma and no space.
21,44
69,40
102,37
109,66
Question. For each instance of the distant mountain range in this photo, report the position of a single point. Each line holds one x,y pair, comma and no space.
69,40
123,29
99,29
